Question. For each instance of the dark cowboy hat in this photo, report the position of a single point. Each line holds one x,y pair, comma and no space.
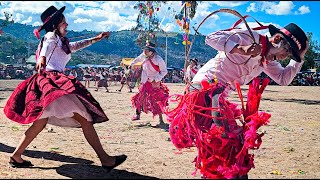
294,35
47,18
194,60
150,46
50,14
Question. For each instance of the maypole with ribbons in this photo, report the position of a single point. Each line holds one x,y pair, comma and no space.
187,12
147,21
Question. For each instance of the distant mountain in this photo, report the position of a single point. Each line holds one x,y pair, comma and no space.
120,44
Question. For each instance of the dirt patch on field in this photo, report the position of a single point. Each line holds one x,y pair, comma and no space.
290,147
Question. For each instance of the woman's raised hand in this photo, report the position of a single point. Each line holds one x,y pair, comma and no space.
103,35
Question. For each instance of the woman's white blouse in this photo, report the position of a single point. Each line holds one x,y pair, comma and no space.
56,58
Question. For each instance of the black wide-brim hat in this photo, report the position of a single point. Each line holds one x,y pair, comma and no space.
194,60
150,46
294,35
50,14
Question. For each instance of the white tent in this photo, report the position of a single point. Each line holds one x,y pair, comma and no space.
31,59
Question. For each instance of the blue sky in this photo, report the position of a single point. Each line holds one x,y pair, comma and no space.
120,15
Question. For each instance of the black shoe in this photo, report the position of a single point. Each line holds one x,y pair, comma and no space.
119,160
163,126
16,164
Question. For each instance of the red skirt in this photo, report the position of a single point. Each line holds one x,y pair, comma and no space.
222,142
150,98
28,101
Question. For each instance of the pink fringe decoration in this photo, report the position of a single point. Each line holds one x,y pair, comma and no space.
151,98
36,33
218,157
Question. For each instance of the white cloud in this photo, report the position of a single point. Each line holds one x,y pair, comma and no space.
170,27
92,4
83,12
254,24
104,16
29,9
29,6
252,8
303,10
80,20
37,24
107,15
27,21
127,26
120,15
18,17
228,3
203,10
115,6
282,8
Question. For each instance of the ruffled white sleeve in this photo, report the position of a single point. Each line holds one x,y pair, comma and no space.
282,75
75,46
138,59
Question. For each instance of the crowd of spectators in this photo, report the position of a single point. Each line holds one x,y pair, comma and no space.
174,76
114,75
11,72
304,78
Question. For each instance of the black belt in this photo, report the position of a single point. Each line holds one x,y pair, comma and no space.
55,71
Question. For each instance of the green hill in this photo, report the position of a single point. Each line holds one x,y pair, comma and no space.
18,37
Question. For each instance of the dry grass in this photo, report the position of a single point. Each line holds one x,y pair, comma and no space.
291,142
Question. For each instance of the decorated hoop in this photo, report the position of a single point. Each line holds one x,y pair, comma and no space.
227,11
